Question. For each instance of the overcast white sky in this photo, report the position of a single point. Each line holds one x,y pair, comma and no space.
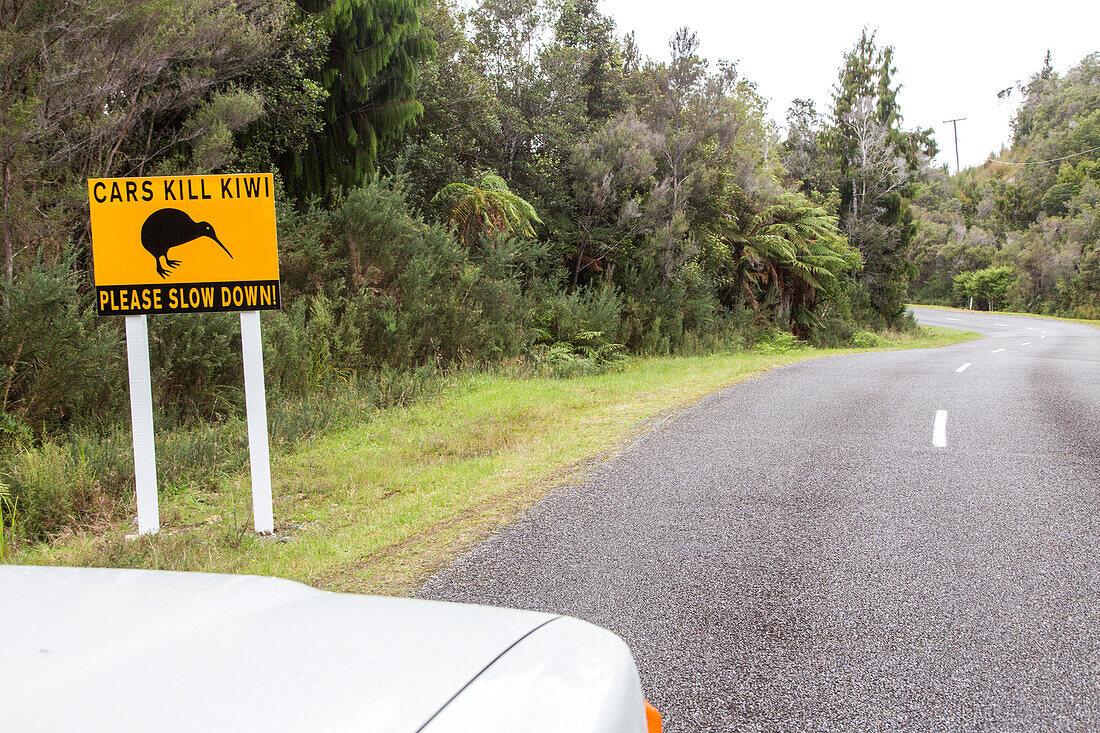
952,57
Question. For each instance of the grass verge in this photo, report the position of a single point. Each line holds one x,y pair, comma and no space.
377,507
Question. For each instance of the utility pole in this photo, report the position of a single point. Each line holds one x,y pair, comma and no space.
955,124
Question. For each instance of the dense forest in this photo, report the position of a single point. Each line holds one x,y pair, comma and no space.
465,184
1021,231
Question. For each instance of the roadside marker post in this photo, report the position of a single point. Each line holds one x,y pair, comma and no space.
228,260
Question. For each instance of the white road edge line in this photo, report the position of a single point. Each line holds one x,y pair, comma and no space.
996,351
939,430
1026,343
963,368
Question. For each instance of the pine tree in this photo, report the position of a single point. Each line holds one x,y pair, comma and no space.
876,159
583,28
369,75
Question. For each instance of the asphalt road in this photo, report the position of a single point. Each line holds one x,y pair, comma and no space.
794,553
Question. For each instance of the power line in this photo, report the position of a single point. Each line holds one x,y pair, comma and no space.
1052,160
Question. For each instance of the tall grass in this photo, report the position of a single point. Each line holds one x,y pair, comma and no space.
7,512
58,486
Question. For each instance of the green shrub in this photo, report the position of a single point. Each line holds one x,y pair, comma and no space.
308,256
565,316
54,490
308,346
8,509
14,434
422,297
866,340
777,342
197,372
832,332
58,367
662,316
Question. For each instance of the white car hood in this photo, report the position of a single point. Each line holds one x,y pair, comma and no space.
120,650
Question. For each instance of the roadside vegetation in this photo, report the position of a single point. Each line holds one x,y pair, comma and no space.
463,188
1022,231
380,503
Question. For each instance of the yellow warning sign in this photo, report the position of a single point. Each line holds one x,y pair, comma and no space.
184,244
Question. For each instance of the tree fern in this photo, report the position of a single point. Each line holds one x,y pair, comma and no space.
491,207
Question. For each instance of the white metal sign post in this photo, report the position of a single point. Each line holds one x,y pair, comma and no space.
256,406
141,418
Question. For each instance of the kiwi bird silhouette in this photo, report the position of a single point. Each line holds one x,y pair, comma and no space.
168,228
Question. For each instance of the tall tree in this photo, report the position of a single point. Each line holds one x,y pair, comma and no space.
101,88
875,159
508,35
612,171
806,155
370,77
711,125
589,35
455,136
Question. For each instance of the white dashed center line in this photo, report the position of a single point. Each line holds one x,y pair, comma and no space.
963,367
996,351
1043,336
1029,328
939,430
1026,343
1005,325
954,319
